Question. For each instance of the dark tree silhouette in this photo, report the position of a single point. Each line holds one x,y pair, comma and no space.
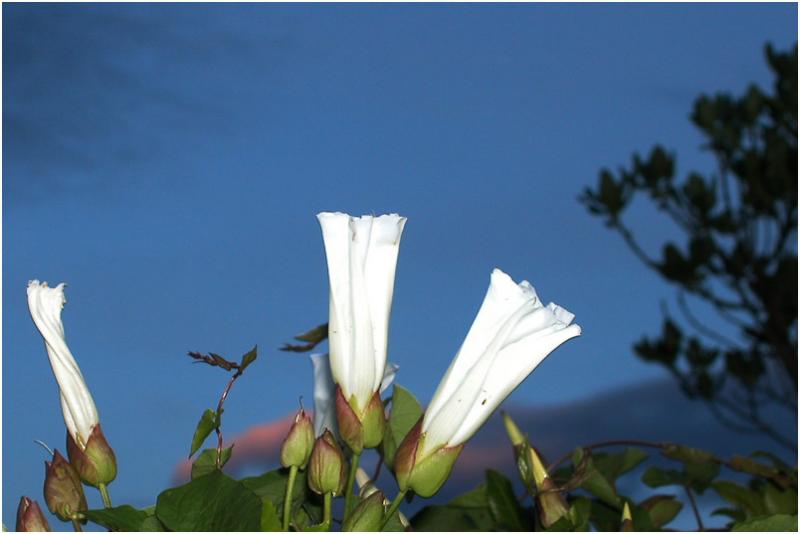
738,255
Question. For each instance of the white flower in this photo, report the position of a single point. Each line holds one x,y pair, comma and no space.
325,393
512,333
80,415
362,258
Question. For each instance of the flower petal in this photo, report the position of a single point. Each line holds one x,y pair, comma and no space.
80,414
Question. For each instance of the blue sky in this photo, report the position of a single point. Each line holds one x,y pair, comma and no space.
167,163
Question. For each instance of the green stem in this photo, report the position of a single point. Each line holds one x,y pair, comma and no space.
349,501
326,510
287,500
104,493
393,508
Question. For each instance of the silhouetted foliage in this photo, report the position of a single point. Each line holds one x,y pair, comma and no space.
738,255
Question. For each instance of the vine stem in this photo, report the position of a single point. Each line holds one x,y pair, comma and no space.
393,508
349,500
326,510
104,494
76,525
218,428
287,500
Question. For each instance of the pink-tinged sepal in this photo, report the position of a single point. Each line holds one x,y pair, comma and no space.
30,517
63,491
350,428
326,469
406,454
95,463
296,448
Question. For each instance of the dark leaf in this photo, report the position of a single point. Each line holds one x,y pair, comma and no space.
214,502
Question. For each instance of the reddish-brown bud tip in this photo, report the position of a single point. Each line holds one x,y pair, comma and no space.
30,517
350,427
63,491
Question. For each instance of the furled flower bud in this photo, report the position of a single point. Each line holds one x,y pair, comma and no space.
423,474
63,491
95,463
30,517
552,505
297,446
326,469
627,519
367,516
360,431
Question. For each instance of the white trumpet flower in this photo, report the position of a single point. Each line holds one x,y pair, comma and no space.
511,335
325,393
80,414
362,259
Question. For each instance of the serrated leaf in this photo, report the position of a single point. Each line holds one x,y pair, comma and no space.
204,427
770,523
504,506
207,461
125,518
270,522
406,411
248,358
214,502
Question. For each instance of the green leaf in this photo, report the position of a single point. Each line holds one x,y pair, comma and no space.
125,518
701,467
502,503
662,509
248,358
612,466
594,481
406,411
270,522
579,513
204,427
207,461
746,499
779,501
769,523
655,477
467,512
271,486
214,502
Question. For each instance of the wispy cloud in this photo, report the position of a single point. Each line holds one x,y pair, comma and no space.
94,92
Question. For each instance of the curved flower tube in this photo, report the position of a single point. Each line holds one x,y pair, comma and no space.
511,335
80,414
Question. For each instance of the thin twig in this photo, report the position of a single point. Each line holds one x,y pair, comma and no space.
218,428
693,504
